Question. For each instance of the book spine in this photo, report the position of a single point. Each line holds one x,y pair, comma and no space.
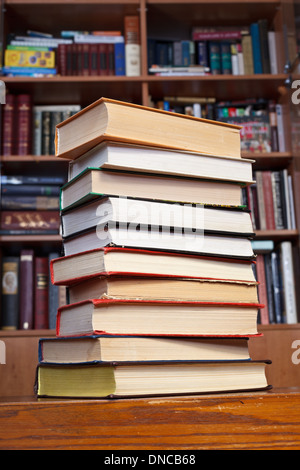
262,289
30,221
26,289
29,202
288,283
226,57
10,293
273,52
202,57
247,54
23,125
120,59
257,61
264,45
8,129
41,293
30,190
46,133
132,45
268,200
214,58
102,59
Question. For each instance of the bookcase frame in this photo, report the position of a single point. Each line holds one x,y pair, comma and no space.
168,17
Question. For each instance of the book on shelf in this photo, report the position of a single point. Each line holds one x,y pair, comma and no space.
157,317
10,293
32,203
113,211
107,348
132,45
29,222
240,50
116,286
41,301
26,320
114,155
45,119
36,306
276,288
147,379
17,125
57,295
119,121
68,270
94,182
271,200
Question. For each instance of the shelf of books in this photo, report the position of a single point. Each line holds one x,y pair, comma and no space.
221,60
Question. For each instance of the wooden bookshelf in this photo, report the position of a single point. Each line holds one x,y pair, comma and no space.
166,18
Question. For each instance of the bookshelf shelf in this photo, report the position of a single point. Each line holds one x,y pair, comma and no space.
157,17
277,235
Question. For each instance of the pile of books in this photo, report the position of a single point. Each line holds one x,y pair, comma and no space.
157,258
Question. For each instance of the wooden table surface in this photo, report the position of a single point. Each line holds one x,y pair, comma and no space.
261,420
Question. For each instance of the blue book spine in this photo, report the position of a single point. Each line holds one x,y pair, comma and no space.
202,53
185,53
120,59
257,62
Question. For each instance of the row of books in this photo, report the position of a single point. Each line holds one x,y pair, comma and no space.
29,129
161,292
30,193
236,51
261,121
271,200
28,298
76,53
276,289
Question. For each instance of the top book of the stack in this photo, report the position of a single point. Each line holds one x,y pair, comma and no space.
111,120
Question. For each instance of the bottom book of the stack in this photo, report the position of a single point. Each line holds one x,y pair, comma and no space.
112,366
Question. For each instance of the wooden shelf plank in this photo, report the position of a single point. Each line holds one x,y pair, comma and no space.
262,420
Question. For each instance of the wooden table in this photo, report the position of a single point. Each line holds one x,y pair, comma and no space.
261,420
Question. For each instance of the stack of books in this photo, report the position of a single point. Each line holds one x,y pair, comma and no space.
157,258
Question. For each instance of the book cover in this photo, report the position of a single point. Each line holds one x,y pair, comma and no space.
41,293
26,289
10,293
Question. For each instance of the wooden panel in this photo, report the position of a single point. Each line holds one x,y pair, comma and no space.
17,376
268,421
276,344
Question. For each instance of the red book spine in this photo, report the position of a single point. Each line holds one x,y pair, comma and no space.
41,293
8,147
110,59
268,199
93,59
62,59
103,59
262,289
85,60
23,125
26,289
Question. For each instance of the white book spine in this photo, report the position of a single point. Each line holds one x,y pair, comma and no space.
288,282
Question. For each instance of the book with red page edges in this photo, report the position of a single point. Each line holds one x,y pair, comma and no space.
145,263
150,318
